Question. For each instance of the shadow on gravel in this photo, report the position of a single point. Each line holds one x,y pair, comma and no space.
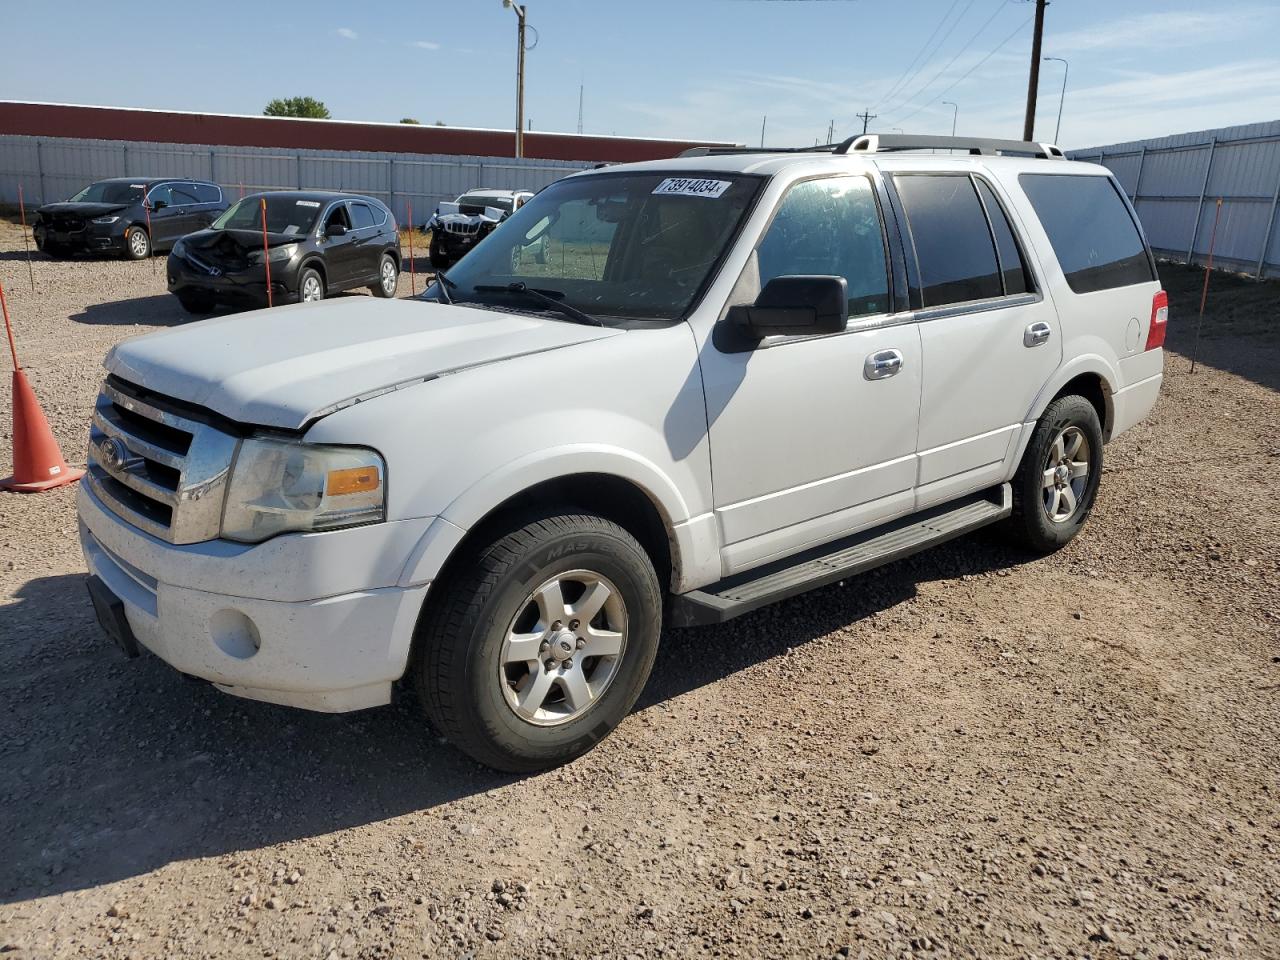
1241,330
114,768
160,309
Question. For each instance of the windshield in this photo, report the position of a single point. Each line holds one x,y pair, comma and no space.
620,245
480,200
285,214
110,191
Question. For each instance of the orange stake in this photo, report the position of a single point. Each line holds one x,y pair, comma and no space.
146,206
266,251
413,277
8,328
22,210
1204,292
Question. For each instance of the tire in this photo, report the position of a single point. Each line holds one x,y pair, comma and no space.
1052,499
137,244
197,301
388,277
310,286
474,683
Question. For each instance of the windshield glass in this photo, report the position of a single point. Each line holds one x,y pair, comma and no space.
109,191
612,245
480,201
284,215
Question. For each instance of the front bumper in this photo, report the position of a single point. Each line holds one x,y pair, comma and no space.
237,286
317,621
102,238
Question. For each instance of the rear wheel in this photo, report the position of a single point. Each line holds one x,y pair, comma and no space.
197,301
388,277
540,643
137,244
310,286
1057,481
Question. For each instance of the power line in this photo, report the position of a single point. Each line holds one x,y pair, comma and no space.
969,43
998,47
945,37
919,53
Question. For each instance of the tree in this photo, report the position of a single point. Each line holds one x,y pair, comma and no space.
308,107
410,120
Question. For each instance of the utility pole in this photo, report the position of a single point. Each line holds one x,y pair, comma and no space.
763,120
1033,81
831,130
866,116
520,12
1066,68
580,108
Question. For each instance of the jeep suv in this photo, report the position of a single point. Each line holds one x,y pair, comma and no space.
734,377
457,227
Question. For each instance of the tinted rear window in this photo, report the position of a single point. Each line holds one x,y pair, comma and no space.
1094,237
953,242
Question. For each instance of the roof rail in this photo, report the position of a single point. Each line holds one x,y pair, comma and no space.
735,151
977,146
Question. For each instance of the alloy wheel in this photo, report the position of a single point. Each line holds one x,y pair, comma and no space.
1066,474
563,648
388,277
311,289
138,243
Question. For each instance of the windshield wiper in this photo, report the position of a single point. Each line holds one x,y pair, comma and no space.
444,283
550,297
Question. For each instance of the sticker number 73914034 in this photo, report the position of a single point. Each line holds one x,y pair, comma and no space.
692,187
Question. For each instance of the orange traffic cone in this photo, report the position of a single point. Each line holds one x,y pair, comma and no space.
37,461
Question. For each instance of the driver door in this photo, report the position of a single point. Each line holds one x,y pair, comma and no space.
810,440
341,254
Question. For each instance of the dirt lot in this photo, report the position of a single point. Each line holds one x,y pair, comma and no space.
971,753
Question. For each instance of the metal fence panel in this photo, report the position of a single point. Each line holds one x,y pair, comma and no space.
1175,183
54,168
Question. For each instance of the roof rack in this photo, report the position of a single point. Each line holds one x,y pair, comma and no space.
733,151
976,146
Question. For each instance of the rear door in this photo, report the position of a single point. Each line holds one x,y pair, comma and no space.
990,339
188,208
366,246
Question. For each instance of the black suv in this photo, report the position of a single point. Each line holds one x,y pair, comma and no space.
314,243
129,215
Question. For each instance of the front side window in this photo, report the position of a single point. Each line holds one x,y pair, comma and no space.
830,227
338,217
1092,234
285,214
159,195
625,245
955,254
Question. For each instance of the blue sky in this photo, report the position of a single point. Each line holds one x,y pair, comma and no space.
698,68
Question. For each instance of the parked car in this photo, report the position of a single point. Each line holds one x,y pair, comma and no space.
737,378
318,243
457,227
112,216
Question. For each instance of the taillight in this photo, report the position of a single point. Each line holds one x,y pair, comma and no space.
1159,320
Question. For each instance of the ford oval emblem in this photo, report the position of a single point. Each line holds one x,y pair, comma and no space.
114,453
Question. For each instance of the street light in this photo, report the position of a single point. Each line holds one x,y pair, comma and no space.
1066,68
955,113
520,12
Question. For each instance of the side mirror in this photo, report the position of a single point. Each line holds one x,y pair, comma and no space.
795,307
335,230
158,204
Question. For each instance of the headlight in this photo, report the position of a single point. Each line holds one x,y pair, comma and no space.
282,252
279,486
179,249
106,220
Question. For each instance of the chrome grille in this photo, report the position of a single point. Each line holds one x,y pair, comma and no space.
160,471
461,227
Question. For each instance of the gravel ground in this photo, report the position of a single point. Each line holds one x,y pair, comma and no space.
970,753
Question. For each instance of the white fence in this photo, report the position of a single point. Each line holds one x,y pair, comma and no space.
54,168
1175,184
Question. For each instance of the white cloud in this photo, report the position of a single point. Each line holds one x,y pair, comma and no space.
347,33
1158,31
425,45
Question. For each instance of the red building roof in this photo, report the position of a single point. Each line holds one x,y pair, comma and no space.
167,126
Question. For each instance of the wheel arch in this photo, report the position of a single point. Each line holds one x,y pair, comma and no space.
1089,376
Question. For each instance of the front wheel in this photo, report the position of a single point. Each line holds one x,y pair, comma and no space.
539,643
1057,481
310,286
388,277
137,244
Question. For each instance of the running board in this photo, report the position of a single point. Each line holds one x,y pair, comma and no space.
833,562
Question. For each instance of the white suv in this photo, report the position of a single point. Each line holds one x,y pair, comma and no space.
733,377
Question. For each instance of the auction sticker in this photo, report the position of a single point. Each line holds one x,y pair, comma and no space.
306,203
689,187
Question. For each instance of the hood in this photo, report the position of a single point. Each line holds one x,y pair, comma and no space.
83,209
234,246
290,365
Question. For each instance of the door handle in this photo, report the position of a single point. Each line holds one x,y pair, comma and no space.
1036,334
882,364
